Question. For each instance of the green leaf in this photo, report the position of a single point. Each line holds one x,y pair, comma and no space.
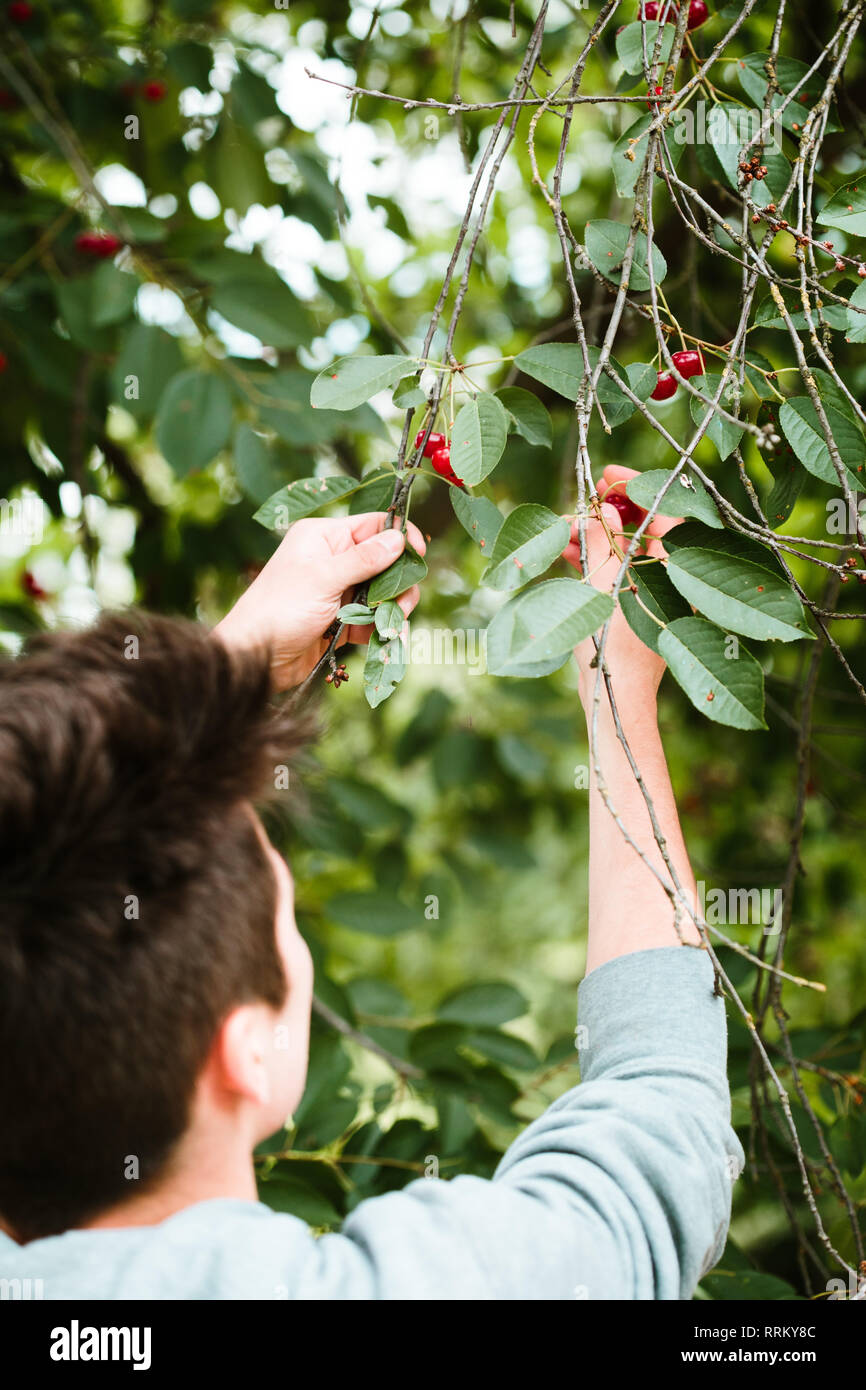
352,380
253,99
407,569
557,365
790,476
847,208
375,492
756,379
832,394
355,613
298,1199
857,315
408,393
291,416
148,360
256,471
376,914
658,595
625,170
478,438
560,366
729,127
630,44
485,1005
437,1048
302,498
235,168
530,417
803,431
75,301
540,626
686,497
767,315
478,516
642,378
194,420
738,595
503,1048
723,434
390,620
727,689
789,73
531,538
692,534
384,668
266,308
114,293
606,243
367,806
747,1285
786,468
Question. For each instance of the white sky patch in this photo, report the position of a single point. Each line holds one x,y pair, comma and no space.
120,186
237,341
204,202
310,104
195,103
344,335
529,253
70,499
293,247
487,353
316,356
449,10
165,309
163,205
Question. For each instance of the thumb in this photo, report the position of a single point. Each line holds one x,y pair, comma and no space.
367,559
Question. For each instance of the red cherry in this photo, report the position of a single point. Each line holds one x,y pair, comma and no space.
436,441
688,363
630,513
8,100
441,461
154,91
4,362
651,103
698,14
30,586
100,245
19,11
665,387
651,10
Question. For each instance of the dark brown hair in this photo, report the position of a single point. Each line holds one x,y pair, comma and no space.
137,904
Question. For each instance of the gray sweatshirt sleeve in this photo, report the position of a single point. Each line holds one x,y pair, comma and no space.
620,1190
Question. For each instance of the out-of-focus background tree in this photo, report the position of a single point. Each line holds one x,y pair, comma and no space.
191,228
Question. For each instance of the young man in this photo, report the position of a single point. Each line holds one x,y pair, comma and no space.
149,962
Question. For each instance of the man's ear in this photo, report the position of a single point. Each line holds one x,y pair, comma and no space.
239,1057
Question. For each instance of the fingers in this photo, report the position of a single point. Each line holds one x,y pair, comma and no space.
616,474
366,559
602,564
366,524
409,600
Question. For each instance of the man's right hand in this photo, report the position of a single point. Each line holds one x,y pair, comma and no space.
635,670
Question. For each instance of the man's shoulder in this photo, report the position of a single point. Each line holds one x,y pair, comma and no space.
223,1248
